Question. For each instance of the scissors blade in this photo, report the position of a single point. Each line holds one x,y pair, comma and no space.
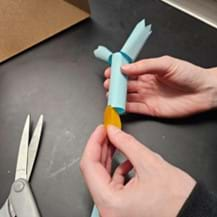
21,170
5,211
33,146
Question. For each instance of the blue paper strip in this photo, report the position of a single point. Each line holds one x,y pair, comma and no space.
95,212
130,50
136,40
102,53
118,82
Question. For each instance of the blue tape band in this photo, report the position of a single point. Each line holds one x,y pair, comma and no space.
110,60
125,56
128,58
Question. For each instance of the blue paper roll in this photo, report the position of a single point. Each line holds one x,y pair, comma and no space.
102,53
118,84
129,52
137,39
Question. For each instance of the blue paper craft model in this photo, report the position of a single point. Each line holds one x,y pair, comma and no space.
118,82
128,53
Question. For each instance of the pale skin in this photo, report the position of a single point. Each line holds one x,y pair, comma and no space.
169,87
161,87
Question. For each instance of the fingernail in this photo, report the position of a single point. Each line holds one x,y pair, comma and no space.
113,129
125,67
100,126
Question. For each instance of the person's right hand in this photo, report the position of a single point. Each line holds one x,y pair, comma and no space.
157,188
168,87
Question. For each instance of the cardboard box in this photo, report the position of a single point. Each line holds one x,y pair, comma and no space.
24,23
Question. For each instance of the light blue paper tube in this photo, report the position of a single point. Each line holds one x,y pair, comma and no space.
136,40
130,50
95,212
118,84
102,53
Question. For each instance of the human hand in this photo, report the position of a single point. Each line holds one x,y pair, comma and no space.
156,189
168,87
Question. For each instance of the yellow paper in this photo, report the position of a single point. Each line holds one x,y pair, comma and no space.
111,117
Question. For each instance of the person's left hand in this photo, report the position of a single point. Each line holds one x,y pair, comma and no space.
157,188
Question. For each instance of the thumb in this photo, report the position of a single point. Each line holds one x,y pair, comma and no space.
160,66
130,147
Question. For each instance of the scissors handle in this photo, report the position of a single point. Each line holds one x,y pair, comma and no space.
22,200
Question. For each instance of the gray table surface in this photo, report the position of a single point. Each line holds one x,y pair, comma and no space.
61,79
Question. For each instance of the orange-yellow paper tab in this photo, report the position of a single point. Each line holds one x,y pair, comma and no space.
111,117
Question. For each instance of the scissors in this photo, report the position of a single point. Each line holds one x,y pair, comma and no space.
20,202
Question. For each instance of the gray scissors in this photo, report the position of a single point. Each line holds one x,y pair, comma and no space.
20,202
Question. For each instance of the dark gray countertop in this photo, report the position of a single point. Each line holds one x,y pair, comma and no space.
61,79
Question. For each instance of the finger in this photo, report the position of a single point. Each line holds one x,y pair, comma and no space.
160,66
140,108
132,85
129,146
107,73
121,171
95,174
104,154
93,148
107,154
133,97
111,152
106,84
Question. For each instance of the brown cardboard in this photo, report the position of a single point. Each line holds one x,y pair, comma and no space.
82,4
24,23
